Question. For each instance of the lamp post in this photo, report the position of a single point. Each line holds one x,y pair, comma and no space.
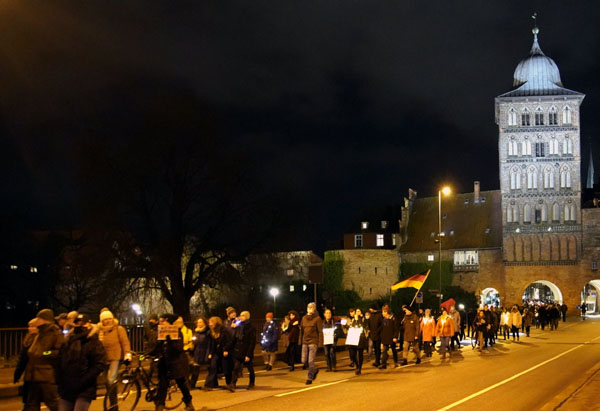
445,191
274,292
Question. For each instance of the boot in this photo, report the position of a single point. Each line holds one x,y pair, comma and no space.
404,362
251,385
418,361
189,407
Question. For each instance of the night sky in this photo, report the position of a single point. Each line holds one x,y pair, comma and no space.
350,103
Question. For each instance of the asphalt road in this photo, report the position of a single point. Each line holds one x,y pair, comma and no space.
521,375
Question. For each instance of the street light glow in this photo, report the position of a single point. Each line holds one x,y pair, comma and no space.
446,190
274,292
461,306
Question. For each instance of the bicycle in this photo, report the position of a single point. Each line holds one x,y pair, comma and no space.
124,394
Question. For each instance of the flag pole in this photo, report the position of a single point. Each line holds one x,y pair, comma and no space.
426,276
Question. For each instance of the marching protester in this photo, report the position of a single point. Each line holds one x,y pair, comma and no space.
427,332
311,338
444,330
80,361
563,311
514,322
293,333
269,341
243,349
201,340
412,328
375,324
116,344
219,347
527,320
231,317
359,326
455,315
150,332
172,365
32,332
389,337
480,327
331,327
39,372
504,326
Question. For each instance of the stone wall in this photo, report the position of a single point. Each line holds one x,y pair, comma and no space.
370,272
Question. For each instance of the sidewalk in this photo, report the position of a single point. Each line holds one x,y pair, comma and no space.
582,394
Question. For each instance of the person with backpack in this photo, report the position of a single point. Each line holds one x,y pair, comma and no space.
81,360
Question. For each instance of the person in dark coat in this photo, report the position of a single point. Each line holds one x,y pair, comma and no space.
412,329
563,311
329,323
150,332
81,360
219,349
201,339
243,349
356,351
41,363
293,332
172,365
23,357
375,324
269,341
389,337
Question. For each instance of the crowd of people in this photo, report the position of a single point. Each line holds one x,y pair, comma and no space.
63,356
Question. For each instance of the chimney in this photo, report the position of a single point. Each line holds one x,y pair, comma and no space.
476,192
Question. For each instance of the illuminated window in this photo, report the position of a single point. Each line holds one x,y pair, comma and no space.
358,241
515,179
532,178
553,146
549,178
380,241
303,287
430,257
525,147
393,239
466,257
290,272
555,212
565,178
13,267
384,224
291,288
364,225
33,269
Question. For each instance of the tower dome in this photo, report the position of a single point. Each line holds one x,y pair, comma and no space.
537,71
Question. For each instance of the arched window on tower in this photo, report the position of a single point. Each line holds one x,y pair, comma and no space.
568,146
525,117
566,115
553,146
544,208
567,212
532,178
512,117
509,214
539,117
548,178
565,178
526,147
573,215
527,213
512,147
552,117
555,212
515,179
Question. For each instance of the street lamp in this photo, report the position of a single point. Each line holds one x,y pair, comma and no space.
274,292
446,190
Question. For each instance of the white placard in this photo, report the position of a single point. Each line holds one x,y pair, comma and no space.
353,337
170,330
328,336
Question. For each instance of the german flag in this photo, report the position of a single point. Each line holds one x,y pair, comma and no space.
416,281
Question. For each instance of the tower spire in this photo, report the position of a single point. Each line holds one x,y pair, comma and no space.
535,48
590,176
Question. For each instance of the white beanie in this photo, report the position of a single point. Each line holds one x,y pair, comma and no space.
105,315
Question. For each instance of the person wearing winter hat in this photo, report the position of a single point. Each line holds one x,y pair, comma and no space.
116,344
269,341
412,327
231,317
80,362
39,371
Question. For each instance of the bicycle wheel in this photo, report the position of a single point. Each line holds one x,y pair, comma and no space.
123,395
174,396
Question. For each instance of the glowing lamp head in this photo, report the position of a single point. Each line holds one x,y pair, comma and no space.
446,190
274,292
